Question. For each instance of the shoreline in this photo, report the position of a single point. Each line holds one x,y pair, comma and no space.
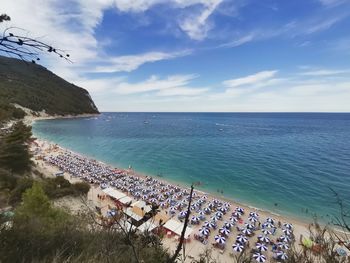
248,206
294,219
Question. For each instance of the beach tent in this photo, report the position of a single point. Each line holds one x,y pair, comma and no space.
142,204
125,200
147,226
176,227
114,193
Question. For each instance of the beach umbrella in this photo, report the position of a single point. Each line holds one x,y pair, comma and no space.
182,214
220,239
283,245
282,255
195,219
341,252
287,232
144,197
219,214
210,224
162,205
254,214
172,210
204,231
228,225
270,220
222,209
252,219
261,247
215,218
266,232
268,225
249,226
240,210
236,214
201,215
207,210
288,226
264,239
259,257
224,231
284,238
233,219
246,231
204,197
241,239
237,247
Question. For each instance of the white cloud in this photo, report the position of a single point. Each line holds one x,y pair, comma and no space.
197,26
240,41
324,72
332,2
251,79
154,83
182,91
131,62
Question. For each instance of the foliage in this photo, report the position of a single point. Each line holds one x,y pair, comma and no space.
46,234
8,112
34,87
81,188
14,154
22,185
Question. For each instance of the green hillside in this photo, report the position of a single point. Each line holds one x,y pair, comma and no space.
34,87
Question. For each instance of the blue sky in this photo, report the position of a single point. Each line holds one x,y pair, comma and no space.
198,55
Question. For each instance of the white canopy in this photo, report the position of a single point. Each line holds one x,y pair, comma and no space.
142,204
147,226
133,215
124,200
176,227
114,193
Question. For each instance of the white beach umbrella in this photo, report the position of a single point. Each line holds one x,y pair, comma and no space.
259,257
246,231
237,247
204,231
222,210
253,219
288,226
210,224
215,218
236,214
270,220
266,232
241,239
268,225
261,247
207,210
182,214
224,231
220,239
249,226
264,238
233,219
287,232
284,238
254,214
240,209
195,219
283,245
282,255
228,225
219,214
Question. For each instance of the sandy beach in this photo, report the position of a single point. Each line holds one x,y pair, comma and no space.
193,247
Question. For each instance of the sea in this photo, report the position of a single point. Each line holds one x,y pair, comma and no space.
287,163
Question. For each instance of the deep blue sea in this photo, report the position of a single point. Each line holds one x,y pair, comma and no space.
282,162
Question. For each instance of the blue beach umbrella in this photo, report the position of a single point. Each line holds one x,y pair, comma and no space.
259,257
252,219
270,220
224,231
237,247
266,232
220,239
285,238
283,245
241,239
249,226
246,231
261,247
240,210
264,239
204,231
282,255
288,226
287,232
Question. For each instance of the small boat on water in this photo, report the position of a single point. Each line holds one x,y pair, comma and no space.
146,122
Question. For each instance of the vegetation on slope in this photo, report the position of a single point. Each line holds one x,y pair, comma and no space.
34,87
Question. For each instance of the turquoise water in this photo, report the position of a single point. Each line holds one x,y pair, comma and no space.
282,162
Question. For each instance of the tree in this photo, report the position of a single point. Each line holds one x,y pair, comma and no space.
23,47
14,149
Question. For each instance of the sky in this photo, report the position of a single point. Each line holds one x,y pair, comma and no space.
197,55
